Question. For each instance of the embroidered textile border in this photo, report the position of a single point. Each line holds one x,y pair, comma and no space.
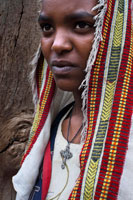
90,188
42,109
94,96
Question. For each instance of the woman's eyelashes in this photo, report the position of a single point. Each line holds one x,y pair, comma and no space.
47,28
83,27
80,27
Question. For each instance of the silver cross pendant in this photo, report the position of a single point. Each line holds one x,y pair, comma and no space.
65,154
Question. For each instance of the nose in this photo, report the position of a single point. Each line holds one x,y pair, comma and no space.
61,42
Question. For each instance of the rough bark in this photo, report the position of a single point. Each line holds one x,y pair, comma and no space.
19,39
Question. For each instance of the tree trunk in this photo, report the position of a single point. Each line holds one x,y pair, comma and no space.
19,39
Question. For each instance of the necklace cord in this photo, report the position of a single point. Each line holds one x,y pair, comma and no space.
68,130
58,195
66,153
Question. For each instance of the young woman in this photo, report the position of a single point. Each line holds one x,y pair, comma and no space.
81,142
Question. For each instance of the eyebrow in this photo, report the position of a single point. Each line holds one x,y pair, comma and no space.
79,15
73,16
43,17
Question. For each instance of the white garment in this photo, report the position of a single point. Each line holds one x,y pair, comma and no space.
58,182
126,184
59,176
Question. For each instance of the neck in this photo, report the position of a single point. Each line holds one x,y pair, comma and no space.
76,119
78,103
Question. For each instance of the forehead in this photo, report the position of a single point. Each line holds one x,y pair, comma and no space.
64,7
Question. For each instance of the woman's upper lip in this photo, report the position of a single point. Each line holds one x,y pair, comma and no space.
62,63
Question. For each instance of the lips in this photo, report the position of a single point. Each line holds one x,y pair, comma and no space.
62,67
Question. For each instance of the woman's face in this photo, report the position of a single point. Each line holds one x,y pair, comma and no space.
68,33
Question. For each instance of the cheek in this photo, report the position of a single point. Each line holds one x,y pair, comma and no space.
85,47
46,47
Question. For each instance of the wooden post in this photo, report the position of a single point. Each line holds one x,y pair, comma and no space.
19,39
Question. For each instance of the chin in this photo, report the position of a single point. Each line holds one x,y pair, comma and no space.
67,85
65,88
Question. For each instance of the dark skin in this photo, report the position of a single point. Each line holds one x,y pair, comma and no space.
68,33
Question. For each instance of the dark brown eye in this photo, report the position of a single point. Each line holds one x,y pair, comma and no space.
82,25
47,28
